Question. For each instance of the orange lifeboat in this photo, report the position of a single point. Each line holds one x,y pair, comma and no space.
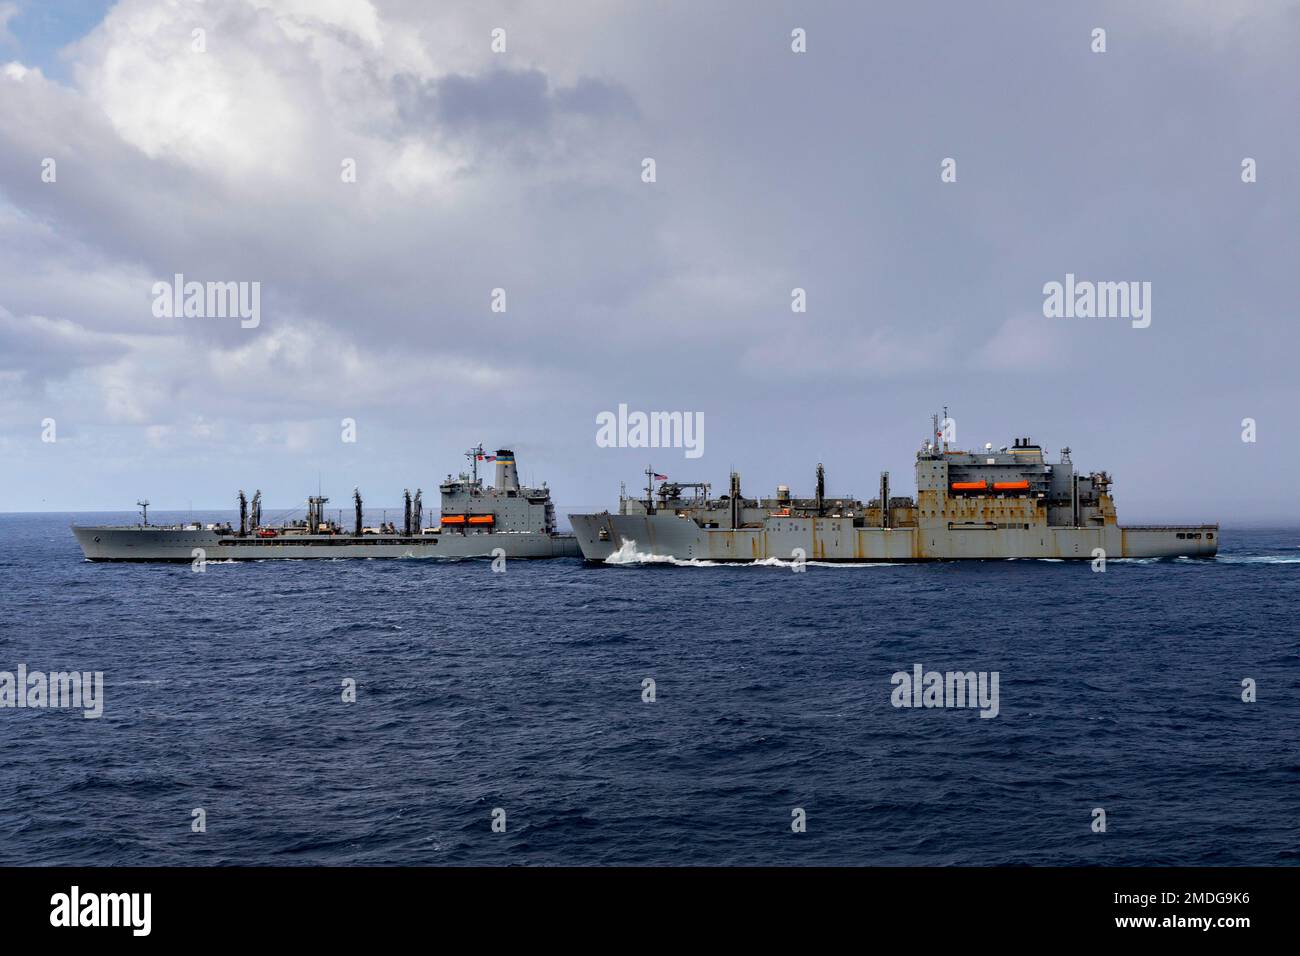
481,519
1010,486
453,519
969,485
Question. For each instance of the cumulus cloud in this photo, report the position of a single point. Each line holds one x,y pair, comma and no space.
522,171
226,164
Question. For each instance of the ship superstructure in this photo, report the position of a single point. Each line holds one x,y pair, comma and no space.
1000,503
475,521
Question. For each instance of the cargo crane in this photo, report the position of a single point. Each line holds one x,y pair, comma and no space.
672,490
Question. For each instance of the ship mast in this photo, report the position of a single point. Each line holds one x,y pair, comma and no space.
474,454
650,490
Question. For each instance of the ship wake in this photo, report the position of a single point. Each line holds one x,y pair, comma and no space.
782,563
1255,559
627,554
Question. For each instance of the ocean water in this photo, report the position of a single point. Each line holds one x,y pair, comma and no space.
523,691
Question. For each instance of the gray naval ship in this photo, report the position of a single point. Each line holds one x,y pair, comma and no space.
475,521
990,504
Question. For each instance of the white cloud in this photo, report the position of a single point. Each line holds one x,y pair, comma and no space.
521,171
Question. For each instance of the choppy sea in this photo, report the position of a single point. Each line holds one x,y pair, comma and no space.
525,692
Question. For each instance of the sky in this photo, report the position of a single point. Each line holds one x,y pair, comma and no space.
222,156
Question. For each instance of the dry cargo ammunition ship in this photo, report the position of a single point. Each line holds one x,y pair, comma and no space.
475,521
1008,503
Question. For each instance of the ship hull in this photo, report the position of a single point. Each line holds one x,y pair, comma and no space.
171,544
603,537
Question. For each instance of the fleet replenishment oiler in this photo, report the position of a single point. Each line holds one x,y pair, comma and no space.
475,522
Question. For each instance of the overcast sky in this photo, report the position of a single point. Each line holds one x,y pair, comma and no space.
522,170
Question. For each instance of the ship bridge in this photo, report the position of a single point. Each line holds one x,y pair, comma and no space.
1012,486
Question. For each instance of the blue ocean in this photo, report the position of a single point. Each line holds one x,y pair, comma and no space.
522,697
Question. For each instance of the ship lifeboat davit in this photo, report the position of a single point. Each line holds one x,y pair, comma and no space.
1011,486
969,485
453,519
481,519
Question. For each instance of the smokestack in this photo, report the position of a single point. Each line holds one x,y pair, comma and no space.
507,477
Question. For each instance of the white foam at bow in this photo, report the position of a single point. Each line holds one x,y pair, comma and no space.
628,554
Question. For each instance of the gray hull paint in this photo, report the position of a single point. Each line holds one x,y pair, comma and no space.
834,539
168,544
